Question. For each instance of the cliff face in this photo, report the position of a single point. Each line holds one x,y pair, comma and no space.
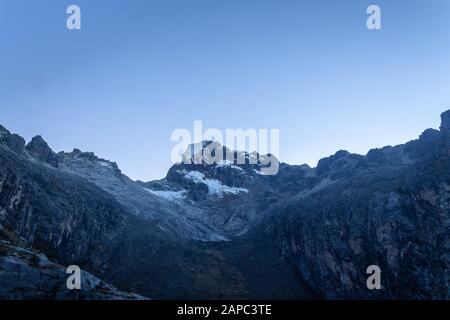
226,230
399,222
67,217
390,208
28,274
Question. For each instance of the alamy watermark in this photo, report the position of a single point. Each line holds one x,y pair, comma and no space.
374,20
73,21
374,280
74,280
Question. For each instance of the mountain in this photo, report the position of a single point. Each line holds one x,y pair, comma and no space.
227,230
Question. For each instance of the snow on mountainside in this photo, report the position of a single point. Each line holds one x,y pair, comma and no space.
169,195
214,230
215,187
157,205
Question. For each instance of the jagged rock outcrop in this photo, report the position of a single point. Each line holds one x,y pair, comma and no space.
13,141
68,218
40,150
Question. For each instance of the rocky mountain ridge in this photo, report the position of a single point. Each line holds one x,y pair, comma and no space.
226,230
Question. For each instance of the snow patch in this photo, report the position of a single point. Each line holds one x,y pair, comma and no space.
104,164
168,195
195,176
215,187
236,168
261,173
224,163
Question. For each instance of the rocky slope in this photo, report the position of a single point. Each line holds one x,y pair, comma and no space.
227,230
28,274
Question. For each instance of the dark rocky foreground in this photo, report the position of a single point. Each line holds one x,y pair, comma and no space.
226,230
28,274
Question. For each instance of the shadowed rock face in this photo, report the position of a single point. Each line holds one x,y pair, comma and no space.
40,150
13,141
28,274
225,230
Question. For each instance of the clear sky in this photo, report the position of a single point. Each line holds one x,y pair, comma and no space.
140,69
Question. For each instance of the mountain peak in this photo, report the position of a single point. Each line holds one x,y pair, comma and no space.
40,150
445,121
73,161
38,142
196,151
213,152
3,130
13,141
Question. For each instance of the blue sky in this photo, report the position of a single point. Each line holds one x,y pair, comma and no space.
140,69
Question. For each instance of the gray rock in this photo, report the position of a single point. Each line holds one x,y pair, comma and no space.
40,150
